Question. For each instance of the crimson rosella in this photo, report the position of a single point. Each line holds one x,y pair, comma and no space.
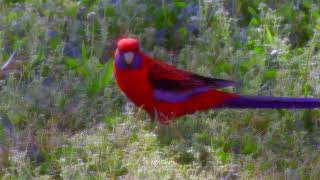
166,92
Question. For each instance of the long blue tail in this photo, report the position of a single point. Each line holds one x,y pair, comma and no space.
272,102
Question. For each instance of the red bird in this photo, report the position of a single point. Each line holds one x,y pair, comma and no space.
166,92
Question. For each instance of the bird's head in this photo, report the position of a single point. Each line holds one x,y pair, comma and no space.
127,54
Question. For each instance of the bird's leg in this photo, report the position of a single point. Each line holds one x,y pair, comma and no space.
153,119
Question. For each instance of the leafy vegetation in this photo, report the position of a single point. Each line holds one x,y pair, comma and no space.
62,116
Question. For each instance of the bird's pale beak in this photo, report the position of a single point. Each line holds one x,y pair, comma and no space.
128,57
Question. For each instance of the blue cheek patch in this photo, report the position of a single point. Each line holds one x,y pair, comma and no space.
136,62
121,64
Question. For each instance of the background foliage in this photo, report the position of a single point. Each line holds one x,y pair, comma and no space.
62,116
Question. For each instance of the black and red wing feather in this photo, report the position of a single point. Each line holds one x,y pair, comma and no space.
166,77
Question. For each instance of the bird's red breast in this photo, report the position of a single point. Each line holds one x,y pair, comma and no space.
134,84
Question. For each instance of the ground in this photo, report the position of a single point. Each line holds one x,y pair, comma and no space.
63,117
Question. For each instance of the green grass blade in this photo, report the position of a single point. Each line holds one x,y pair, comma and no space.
107,73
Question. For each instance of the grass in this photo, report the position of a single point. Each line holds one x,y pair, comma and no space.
62,116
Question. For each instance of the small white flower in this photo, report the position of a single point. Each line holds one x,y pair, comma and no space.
259,29
275,52
194,18
63,160
91,15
